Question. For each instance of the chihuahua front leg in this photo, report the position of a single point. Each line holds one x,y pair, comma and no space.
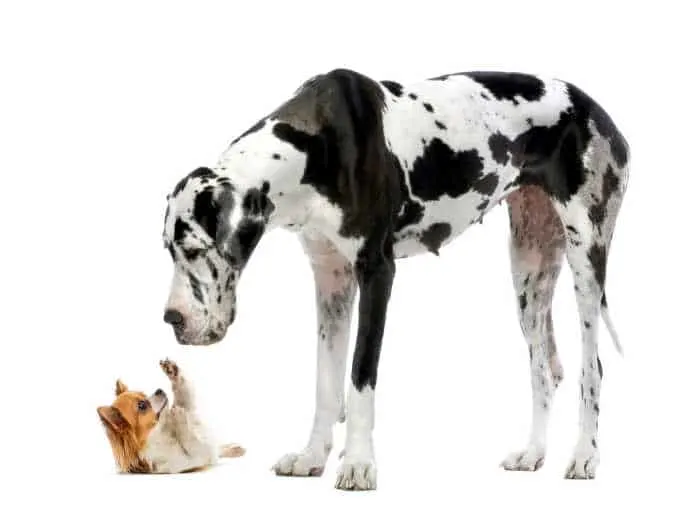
182,390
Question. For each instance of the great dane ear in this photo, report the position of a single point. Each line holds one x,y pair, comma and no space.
236,242
224,231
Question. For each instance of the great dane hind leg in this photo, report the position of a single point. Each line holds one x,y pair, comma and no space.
586,254
375,270
335,294
589,234
537,246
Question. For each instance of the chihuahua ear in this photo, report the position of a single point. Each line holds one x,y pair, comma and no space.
111,417
120,387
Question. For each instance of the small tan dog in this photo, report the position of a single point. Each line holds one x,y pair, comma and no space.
148,437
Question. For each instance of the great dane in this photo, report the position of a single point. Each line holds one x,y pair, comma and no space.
369,171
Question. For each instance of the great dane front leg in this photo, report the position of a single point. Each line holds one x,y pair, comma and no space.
335,293
358,470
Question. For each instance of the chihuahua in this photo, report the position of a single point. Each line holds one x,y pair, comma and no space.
148,437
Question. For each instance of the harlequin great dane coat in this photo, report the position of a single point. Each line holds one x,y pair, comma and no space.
370,171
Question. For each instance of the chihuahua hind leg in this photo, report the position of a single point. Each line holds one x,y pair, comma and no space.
231,451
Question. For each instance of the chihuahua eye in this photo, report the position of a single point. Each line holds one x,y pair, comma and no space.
143,405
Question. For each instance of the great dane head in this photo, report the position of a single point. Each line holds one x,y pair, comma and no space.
210,230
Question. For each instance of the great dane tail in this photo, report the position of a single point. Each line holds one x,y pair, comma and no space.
605,313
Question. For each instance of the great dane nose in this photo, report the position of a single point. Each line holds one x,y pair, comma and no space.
174,318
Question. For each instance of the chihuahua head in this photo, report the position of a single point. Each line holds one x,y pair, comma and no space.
128,423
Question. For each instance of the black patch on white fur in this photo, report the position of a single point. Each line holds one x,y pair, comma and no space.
510,86
212,268
393,87
611,183
522,301
181,230
206,211
487,184
196,289
505,86
597,258
598,211
442,171
433,236
499,145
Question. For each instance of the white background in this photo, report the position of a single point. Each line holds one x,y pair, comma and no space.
105,105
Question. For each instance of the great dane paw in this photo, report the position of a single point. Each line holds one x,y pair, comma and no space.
530,459
584,464
357,475
305,463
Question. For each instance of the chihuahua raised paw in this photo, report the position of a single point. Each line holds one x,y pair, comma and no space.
170,368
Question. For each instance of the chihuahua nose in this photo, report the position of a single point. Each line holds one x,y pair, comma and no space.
160,392
174,318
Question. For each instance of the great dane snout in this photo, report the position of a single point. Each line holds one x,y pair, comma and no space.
174,318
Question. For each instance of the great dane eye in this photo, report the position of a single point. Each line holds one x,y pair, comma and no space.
193,253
